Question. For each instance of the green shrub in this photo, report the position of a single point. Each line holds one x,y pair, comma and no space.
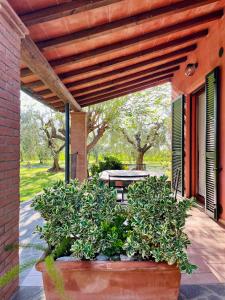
157,221
108,163
84,220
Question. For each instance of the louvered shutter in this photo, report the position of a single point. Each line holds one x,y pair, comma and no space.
178,144
212,96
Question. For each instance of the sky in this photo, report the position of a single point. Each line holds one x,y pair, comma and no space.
26,101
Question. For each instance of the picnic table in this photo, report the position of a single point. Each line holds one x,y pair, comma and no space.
121,179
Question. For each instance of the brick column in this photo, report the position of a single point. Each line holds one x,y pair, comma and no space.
79,145
11,32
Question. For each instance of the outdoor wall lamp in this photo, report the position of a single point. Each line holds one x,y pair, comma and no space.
190,69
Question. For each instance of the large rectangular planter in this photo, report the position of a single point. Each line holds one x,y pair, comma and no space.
95,280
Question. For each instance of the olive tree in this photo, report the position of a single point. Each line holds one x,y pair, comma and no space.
144,120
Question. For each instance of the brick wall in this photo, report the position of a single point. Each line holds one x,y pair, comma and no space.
9,148
79,143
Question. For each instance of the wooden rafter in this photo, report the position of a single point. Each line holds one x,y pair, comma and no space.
173,63
159,33
127,58
124,93
52,99
134,67
63,10
34,95
125,88
125,23
33,58
120,84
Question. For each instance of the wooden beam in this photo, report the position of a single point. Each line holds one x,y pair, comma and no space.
64,61
38,64
132,68
123,24
63,10
126,88
132,81
131,91
148,71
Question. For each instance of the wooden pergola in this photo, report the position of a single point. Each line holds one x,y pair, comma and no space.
84,52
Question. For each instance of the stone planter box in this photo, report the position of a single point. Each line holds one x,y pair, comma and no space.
103,280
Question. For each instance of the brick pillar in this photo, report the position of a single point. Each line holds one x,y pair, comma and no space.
11,32
79,145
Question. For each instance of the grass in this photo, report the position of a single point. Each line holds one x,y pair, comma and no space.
34,178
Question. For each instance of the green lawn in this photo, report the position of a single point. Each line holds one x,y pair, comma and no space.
34,179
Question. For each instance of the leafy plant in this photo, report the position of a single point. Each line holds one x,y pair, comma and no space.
157,221
108,163
84,220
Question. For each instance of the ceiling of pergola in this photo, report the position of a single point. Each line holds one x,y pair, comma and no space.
104,49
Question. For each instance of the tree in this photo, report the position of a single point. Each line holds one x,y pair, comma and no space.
54,131
32,143
101,117
144,120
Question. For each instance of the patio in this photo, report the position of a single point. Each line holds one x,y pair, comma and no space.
207,251
73,54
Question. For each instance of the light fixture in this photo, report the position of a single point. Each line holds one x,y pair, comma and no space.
190,69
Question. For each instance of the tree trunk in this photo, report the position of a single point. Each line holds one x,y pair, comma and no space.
56,167
139,160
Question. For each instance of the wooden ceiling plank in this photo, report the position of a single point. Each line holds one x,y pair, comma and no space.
123,88
54,98
131,91
133,79
113,62
123,24
87,89
63,10
32,57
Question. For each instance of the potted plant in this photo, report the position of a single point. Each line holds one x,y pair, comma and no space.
99,249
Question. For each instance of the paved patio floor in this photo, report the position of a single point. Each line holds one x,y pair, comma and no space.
207,251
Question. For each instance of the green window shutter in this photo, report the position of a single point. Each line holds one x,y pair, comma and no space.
212,168
178,143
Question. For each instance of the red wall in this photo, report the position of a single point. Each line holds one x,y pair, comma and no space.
207,57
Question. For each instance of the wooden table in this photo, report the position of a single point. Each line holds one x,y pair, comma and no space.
124,175
121,179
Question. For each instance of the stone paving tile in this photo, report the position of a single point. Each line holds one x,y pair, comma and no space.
29,293
202,292
187,292
29,219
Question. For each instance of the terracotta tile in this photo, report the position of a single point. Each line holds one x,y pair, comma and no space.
207,249
218,270
199,278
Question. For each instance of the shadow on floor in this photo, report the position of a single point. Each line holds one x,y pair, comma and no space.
187,292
